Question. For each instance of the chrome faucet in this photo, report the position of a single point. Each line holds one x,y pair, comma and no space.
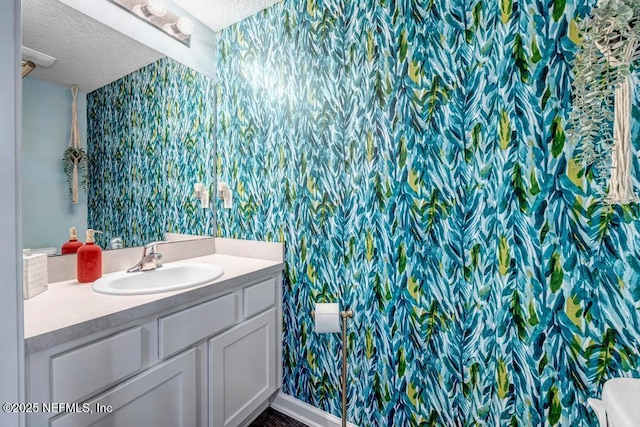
116,243
150,258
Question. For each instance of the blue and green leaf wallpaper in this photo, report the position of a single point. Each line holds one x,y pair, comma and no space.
412,156
150,137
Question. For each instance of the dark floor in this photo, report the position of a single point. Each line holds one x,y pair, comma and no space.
273,418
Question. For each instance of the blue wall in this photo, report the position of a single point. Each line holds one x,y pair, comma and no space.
47,212
412,157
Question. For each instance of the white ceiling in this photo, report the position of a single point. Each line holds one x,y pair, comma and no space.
219,14
88,53
91,54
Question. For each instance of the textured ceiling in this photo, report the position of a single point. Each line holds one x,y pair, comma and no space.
218,14
91,54
88,53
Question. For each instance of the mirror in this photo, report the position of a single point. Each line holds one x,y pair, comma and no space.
146,122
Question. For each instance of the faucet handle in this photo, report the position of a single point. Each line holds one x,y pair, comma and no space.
151,248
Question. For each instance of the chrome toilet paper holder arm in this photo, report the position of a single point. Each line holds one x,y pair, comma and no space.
343,314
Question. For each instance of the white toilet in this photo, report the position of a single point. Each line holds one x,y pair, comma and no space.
620,403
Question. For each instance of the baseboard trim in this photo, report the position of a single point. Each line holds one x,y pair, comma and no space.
305,413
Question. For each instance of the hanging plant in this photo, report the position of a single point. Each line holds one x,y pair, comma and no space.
600,122
75,158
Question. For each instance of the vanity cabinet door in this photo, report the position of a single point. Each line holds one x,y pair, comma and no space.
163,396
242,370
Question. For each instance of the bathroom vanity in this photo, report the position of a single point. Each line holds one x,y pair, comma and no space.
204,356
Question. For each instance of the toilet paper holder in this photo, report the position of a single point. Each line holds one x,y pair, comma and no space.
344,315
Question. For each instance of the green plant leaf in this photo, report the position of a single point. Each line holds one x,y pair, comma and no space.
402,258
557,274
505,130
555,408
520,56
558,137
519,187
502,380
504,258
535,187
558,9
402,364
535,52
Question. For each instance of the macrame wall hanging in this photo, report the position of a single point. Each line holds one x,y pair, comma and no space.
603,92
75,158
620,185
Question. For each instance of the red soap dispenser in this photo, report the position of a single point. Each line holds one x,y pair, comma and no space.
89,260
72,246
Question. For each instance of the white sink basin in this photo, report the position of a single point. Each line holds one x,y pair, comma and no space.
169,277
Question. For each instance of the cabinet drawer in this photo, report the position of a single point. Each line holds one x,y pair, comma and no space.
88,369
259,297
182,329
164,395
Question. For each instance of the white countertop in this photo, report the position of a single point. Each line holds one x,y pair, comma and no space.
70,310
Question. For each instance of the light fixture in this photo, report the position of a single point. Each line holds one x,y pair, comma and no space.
150,9
155,12
202,194
38,58
27,67
32,59
183,27
225,194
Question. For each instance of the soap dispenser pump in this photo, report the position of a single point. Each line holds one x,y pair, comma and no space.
72,246
89,260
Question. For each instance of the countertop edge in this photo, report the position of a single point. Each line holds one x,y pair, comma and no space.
66,334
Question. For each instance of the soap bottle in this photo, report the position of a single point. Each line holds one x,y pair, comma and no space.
89,260
72,246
